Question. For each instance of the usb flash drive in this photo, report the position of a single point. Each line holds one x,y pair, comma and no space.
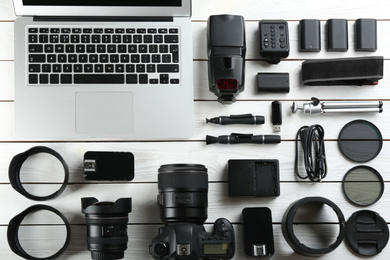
276,116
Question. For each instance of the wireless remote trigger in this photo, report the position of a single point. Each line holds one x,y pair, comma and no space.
274,40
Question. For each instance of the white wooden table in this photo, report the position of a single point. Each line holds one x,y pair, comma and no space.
43,232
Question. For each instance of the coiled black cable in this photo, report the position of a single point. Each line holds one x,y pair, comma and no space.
313,145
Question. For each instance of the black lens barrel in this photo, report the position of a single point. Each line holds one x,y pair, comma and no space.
183,193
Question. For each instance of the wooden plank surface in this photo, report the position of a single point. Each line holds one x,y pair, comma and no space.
43,176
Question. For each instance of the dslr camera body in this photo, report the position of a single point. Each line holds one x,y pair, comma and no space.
183,204
191,241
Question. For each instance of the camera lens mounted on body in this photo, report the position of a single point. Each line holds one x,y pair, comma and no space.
106,227
183,193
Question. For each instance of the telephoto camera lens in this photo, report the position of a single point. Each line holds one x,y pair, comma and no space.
106,227
183,193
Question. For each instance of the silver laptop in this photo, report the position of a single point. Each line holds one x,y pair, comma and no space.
103,69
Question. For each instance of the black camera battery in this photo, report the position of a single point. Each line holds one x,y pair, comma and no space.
310,35
109,166
337,33
366,35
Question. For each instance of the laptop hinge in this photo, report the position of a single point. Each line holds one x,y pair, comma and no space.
102,19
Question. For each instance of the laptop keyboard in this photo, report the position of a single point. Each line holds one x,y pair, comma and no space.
103,55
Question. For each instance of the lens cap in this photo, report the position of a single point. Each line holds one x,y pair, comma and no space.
367,233
363,185
360,141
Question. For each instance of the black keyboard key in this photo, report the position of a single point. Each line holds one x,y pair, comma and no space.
99,68
111,48
44,78
65,30
163,48
101,48
98,30
152,30
135,58
141,30
43,30
109,68
54,38
131,78
75,38
93,58
130,68
126,38
132,49
158,38
80,48
33,38
125,58
153,81
117,38
119,68
174,49
62,58
83,58
54,79
64,38
51,58
137,38
106,38
87,30
166,58
119,30
88,68
69,48
122,48
153,48
96,38
99,79
54,30
85,38
76,30
77,68
108,30
114,58
143,78
103,58
140,68
43,38
164,78
173,30
34,68
49,48
148,38
130,30
91,48
156,58
32,30
35,48
167,68
66,79
145,58
162,30
72,58
46,68
174,81
67,68
37,58
33,78
171,38
151,68
57,68
142,48
59,48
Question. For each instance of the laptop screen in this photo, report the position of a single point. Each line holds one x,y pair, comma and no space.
104,2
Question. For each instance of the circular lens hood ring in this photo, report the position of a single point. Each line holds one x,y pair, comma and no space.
293,241
16,165
13,230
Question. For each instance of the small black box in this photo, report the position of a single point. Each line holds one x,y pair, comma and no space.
310,35
337,32
366,35
253,178
273,82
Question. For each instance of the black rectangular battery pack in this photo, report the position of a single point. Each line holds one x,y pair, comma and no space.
337,35
109,166
366,35
310,35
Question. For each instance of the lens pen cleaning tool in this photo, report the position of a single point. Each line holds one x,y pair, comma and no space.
243,138
318,107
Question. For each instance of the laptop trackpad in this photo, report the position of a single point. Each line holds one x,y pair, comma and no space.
104,112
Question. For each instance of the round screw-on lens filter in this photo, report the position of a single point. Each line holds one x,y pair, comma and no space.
363,185
360,141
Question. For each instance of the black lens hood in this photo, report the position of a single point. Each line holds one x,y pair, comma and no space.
16,165
13,229
292,240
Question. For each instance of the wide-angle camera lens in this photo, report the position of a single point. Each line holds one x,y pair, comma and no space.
183,193
106,227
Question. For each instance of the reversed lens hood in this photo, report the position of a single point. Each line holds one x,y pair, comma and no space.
288,230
